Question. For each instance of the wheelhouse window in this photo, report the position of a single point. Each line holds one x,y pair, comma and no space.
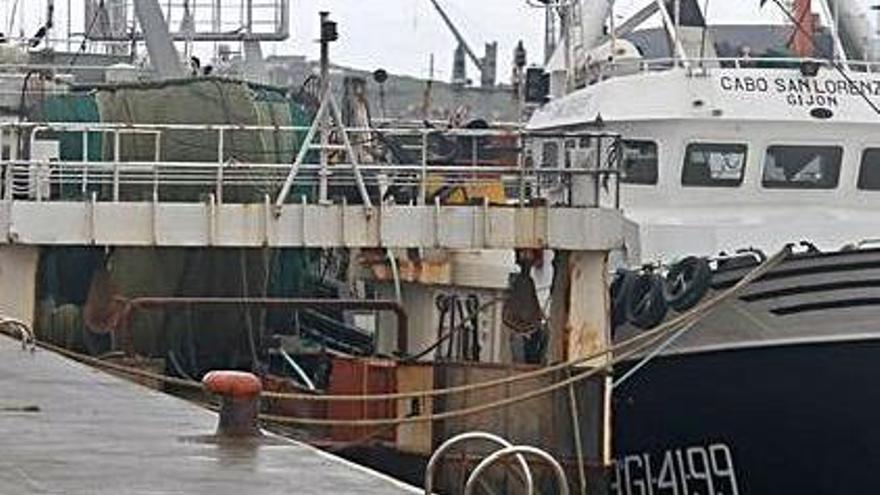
550,154
869,171
639,162
802,167
714,165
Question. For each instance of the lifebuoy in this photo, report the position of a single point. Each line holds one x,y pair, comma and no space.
645,305
687,282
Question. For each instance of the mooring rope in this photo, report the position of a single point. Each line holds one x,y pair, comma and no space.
658,333
653,337
128,370
626,349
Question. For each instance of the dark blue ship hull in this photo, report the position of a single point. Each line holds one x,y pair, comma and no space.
799,418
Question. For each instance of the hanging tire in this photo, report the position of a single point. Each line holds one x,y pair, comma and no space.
687,283
620,287
645,305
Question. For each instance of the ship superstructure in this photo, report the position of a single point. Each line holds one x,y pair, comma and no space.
728,159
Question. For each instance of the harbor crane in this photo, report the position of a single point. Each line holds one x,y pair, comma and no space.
488,65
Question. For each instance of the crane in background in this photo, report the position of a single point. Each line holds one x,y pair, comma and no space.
488,65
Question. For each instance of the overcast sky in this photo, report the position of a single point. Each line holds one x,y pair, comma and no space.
401,35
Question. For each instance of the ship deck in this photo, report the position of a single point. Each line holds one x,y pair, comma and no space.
67,428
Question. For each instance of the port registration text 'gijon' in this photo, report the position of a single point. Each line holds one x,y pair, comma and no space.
801,91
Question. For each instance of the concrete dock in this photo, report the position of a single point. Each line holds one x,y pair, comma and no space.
66,428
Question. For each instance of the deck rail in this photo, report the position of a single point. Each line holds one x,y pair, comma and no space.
605,69
104,162
200,20
602,70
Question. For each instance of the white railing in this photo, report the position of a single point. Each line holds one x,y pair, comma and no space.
212,20
607,69
191,163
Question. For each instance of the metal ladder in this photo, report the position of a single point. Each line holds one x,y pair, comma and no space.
507,449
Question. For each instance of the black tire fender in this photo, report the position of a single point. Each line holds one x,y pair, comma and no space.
645,305
620,287
687,282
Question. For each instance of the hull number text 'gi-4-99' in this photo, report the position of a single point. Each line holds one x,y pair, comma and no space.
697,470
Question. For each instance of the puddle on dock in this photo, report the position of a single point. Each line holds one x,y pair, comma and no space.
236,442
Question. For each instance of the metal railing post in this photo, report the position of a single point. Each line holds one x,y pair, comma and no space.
157,156
38,180
618,166
220,156
157,151
423,181
13,159
521,165
3,159
33,170
85,160
474,151
116,158
7,167
597,175
155,182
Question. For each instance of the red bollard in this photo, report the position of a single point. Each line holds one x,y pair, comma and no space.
241,401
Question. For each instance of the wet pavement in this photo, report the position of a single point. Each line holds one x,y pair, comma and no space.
66,428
